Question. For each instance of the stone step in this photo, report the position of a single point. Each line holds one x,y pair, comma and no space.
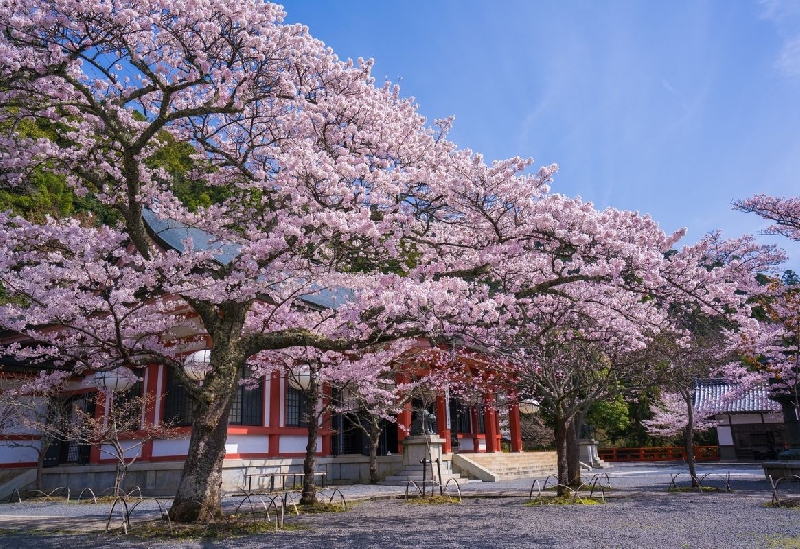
507,463
414,473
503,466
516,468
401,480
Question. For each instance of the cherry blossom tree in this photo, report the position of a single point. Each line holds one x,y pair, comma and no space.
553,266
340,219
784,212
672,416
118,433
36,407
335,382
595,335
703,338
566,370
773,349
770,349
377,388
320,170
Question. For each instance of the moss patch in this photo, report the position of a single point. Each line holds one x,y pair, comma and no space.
565,500
784,543
786,503
433,500
695,489
232,526
320,507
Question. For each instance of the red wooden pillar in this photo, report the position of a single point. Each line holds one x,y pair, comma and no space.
275,404
473,422
403,425
441,423
152,380
101,405
490,424
515,425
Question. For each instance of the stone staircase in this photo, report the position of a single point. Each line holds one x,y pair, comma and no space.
506,466
15,479
414,472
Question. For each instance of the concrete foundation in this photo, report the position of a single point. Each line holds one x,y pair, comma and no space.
161,478
779,469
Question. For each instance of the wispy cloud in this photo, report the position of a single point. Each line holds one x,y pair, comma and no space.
785,16
789,60
667,86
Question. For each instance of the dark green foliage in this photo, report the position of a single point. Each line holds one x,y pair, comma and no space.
45,193
619,422
610,416
177,160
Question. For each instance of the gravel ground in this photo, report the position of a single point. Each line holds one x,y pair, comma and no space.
639,513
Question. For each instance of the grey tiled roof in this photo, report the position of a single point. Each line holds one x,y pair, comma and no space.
727,398
328,298
171,234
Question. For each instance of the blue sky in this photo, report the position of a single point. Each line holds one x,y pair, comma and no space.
671,108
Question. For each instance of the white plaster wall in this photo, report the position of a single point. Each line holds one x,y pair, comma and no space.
296,445
745,419
174,447
130,448
19,454
724,435
247,444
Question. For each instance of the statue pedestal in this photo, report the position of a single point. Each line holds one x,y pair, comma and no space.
588,453
419,447
415,449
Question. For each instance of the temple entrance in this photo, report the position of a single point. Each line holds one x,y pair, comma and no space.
350,438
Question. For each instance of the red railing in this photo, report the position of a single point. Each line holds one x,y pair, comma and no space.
663,453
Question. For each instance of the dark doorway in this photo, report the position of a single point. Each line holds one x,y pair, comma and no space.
63,452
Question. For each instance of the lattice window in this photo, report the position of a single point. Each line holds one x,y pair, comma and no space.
247,406
296,408
177,405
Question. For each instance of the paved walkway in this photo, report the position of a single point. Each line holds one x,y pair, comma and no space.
624,479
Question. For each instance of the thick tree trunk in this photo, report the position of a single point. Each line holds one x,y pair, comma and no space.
200,489
688,444
309,494
561,433
199,495
573,453
374,440
40,465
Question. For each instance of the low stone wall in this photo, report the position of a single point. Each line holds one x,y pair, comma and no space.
161,478
778,469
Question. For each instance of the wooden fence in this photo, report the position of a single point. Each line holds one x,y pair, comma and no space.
663,453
